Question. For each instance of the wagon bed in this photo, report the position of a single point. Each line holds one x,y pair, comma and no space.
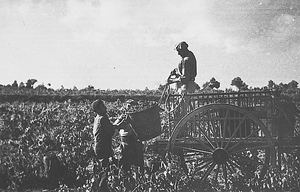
212,136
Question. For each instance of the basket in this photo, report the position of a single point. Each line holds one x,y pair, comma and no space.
146,123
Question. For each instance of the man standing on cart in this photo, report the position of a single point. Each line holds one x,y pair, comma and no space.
186,72
184,75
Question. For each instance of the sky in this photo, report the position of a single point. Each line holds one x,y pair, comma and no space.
129,44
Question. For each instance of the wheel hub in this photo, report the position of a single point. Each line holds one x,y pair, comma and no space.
220,156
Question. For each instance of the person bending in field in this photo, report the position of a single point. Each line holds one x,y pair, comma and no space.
103,132
132,149
132,153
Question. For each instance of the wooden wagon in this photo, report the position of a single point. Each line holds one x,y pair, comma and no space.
220,135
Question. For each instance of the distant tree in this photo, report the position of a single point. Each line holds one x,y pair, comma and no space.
15,84
213,83
239,84
271,84
30,83
21,85
90,87
41,87
114,91
293,84
283,86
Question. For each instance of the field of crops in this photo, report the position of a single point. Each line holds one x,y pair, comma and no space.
30,130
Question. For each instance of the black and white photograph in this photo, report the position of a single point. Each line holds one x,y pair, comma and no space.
149,96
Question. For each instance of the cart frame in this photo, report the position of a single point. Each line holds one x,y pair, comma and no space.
220,134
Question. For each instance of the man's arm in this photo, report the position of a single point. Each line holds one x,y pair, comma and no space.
120,122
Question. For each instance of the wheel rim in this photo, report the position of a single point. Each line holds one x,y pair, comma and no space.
212,153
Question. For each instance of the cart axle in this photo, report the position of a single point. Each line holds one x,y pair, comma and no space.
220,156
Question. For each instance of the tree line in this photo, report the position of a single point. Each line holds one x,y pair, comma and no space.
212,86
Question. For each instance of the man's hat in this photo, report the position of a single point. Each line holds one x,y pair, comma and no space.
182,46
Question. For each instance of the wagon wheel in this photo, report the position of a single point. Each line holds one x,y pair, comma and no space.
221,142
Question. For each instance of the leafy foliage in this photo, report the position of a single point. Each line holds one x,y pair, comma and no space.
30,131
38,122
239,83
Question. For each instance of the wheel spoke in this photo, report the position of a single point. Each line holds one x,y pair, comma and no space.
193,154
212,122
235,131
215,133
201,167
224,125
242,140
217,173
207,147
207,138
230,167
235,164
225,175
208,171
192,149
205,159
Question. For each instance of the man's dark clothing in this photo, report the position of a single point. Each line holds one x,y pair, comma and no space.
132,152
188,68
103,131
